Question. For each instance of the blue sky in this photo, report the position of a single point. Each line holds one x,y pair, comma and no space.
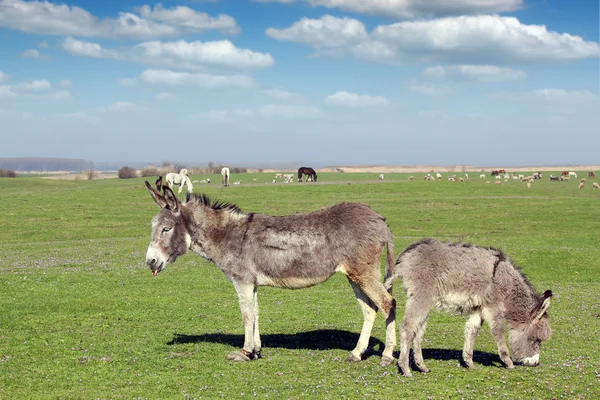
385,82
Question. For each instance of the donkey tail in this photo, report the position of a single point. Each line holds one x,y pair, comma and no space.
389,268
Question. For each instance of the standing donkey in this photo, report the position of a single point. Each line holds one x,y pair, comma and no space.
295,251
480,282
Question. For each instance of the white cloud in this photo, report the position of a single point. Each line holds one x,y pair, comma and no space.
412,8
484,39
203,80
427,88
32,90
346,99
179,54
325,33
87,49
289,111
165,96
3,77
549,96
221,53
562,95
35,54
62,19
187,18
224,115
65,83
43,44
121,107
278,94
473,73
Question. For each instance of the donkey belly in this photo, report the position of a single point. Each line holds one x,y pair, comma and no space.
294,277
458,302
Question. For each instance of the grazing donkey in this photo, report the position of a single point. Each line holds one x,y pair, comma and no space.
180,179
225,176
294,252
478,281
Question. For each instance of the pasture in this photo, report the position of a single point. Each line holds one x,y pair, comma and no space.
82,317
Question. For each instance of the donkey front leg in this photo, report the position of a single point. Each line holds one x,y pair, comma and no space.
471,329
246,294
496,322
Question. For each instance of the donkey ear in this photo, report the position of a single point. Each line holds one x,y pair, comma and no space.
159,183
158,198
171,199
543,305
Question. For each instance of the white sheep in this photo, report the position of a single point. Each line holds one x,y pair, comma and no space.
482,176
580,186
595,185
380,177
438,175
573,174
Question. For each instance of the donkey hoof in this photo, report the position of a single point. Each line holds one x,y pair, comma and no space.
237,356
352,358
385,361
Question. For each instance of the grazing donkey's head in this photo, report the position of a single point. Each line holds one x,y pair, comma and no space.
526,336
170,236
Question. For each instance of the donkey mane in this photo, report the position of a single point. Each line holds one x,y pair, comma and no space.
204,200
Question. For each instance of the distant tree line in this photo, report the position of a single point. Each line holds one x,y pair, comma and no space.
7,173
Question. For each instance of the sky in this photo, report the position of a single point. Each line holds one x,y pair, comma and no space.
331,82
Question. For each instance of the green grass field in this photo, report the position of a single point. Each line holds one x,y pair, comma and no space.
82,317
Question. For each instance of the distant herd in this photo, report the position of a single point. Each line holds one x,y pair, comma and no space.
303,250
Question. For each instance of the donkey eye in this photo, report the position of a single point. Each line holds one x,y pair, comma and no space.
167,229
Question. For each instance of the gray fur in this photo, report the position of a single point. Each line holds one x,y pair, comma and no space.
294,251
480,282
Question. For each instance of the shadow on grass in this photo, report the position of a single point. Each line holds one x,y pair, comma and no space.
329,339
323,339
479,357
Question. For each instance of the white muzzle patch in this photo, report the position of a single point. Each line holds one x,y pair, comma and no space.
531,361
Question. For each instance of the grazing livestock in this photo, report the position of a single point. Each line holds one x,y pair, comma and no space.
237,182
554,178
595,185
438,176
582,180
380,177
573,174
591,174
411,178
498,182
225,176
307,171
580,186
565,173
537,175
564,178
181,179
278,176
294,252
429,177
481,282
528,185
482,176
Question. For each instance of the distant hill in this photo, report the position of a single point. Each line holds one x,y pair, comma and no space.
45,164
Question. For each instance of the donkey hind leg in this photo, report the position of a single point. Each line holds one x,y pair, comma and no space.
471,329
247,297
418,350
496,323
369,310
415,315
379,297
257,342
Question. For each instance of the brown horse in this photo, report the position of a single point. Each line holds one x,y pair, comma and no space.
295,251
307,171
